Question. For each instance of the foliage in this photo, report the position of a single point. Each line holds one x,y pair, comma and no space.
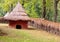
33,7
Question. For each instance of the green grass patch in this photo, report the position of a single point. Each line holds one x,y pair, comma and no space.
18,36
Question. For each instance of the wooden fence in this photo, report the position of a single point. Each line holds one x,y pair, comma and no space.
2,20
46,25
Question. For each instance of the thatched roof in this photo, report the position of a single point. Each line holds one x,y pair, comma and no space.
18,13
6,14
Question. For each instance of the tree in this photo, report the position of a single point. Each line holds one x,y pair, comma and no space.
44,9
56,10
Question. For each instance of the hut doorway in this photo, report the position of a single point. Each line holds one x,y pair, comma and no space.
18,27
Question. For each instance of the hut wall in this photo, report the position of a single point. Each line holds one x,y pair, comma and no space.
23,24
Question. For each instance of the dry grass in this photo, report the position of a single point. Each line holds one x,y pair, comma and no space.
36,35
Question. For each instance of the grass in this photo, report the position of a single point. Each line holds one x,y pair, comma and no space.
14,35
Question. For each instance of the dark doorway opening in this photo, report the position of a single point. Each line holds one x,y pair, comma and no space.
18,27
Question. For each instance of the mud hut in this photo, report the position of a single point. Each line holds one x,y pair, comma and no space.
17,17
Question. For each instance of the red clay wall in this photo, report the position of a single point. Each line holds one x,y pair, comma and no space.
24,24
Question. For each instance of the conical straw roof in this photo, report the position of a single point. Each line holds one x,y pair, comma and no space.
18,13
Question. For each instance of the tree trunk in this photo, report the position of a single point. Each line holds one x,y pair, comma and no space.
11,7
56,10
44,9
